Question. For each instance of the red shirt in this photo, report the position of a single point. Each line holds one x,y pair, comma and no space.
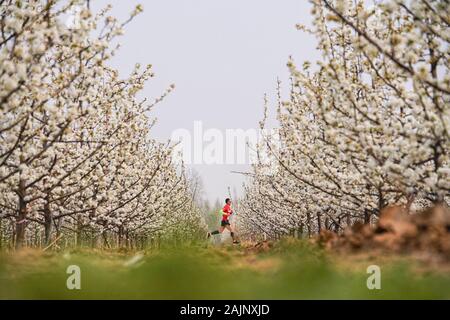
227,210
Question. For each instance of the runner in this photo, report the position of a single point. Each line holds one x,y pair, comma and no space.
225,223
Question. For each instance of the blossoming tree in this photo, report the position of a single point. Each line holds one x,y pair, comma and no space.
368,126
76,150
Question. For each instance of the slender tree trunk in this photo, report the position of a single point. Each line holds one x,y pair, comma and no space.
78,233
327,223
381,202
105,239
12,243
1,234
366,216
21,218
319,223
410,201
93,240
57,224
308,222
336,226
120,236
48,223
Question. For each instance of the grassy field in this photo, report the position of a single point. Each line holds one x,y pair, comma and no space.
289,270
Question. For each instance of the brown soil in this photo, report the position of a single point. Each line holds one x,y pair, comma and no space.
425,235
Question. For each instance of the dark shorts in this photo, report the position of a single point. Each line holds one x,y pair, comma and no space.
224,223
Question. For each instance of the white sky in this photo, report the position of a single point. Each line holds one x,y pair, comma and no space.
222,55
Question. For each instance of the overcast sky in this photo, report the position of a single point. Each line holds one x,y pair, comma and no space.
222,55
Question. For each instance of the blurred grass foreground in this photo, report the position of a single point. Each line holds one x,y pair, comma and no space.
290,269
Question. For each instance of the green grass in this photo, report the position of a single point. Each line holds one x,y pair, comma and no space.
289,271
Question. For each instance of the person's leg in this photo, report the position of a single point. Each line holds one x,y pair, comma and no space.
228,227
233,236
218,231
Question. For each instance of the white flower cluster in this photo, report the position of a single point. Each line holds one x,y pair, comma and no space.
369,127
75,151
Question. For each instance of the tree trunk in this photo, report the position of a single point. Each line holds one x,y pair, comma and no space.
48,223
327,223
120,236
1,234
366,216
105,240
336,226
57,225
381,202
308,222
93,240
319,223
21,218
78,233
12,243
410,201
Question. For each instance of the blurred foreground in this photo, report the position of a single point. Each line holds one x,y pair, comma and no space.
290,269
